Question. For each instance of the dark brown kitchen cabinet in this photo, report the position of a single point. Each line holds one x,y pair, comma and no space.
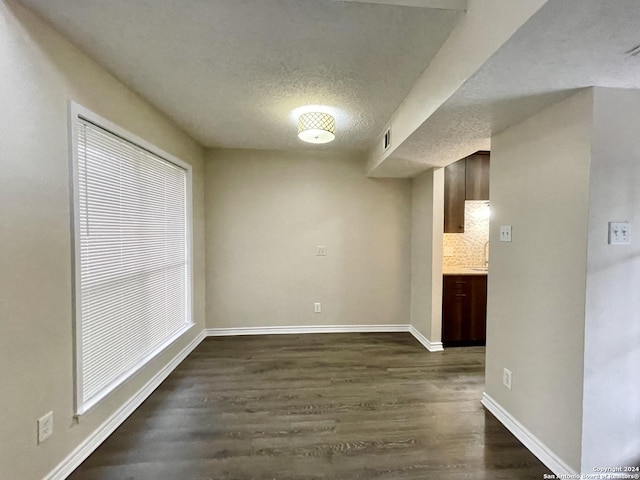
477,176
466,179
454,196
464,310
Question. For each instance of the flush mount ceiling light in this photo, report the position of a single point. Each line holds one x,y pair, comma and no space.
316,127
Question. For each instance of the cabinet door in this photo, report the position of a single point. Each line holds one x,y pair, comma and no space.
476,324
477,177
464,309
455,308
454,196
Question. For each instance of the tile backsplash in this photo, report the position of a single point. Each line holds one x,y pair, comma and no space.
467,249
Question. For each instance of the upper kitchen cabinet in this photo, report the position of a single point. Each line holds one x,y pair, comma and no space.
477,176
454,196
466,179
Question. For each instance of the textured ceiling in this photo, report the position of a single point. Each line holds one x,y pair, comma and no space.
567,45
231,72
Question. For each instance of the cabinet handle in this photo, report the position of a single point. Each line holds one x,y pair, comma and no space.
461,294
460,281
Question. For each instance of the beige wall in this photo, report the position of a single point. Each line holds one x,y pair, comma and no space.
536,291
41,72
612,339
427,220
265,214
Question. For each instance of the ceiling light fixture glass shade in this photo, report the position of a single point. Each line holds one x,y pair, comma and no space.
316,127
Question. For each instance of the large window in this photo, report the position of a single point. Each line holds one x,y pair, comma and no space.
132,254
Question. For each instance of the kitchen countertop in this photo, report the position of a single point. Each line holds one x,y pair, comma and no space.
464,270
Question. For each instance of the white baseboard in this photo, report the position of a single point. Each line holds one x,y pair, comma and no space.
75,458
528,439
426,343
297,330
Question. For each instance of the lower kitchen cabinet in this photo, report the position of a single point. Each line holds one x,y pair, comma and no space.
464,310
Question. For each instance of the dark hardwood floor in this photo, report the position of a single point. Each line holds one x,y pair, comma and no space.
329,406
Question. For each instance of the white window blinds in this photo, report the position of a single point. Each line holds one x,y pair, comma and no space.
132,235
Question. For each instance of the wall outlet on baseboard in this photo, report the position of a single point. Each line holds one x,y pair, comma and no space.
506,378
317,307
45,427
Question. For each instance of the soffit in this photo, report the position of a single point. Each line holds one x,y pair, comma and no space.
565,46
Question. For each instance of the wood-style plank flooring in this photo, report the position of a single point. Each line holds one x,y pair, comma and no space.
329,406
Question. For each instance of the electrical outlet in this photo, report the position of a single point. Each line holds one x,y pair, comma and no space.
619,233
506,378
317,307
321,250
505,233
45,427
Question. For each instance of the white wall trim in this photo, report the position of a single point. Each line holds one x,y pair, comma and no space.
428,344
75,458
528,439
442,4
297,330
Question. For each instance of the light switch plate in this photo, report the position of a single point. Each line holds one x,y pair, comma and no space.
505,233
619,233
321,250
